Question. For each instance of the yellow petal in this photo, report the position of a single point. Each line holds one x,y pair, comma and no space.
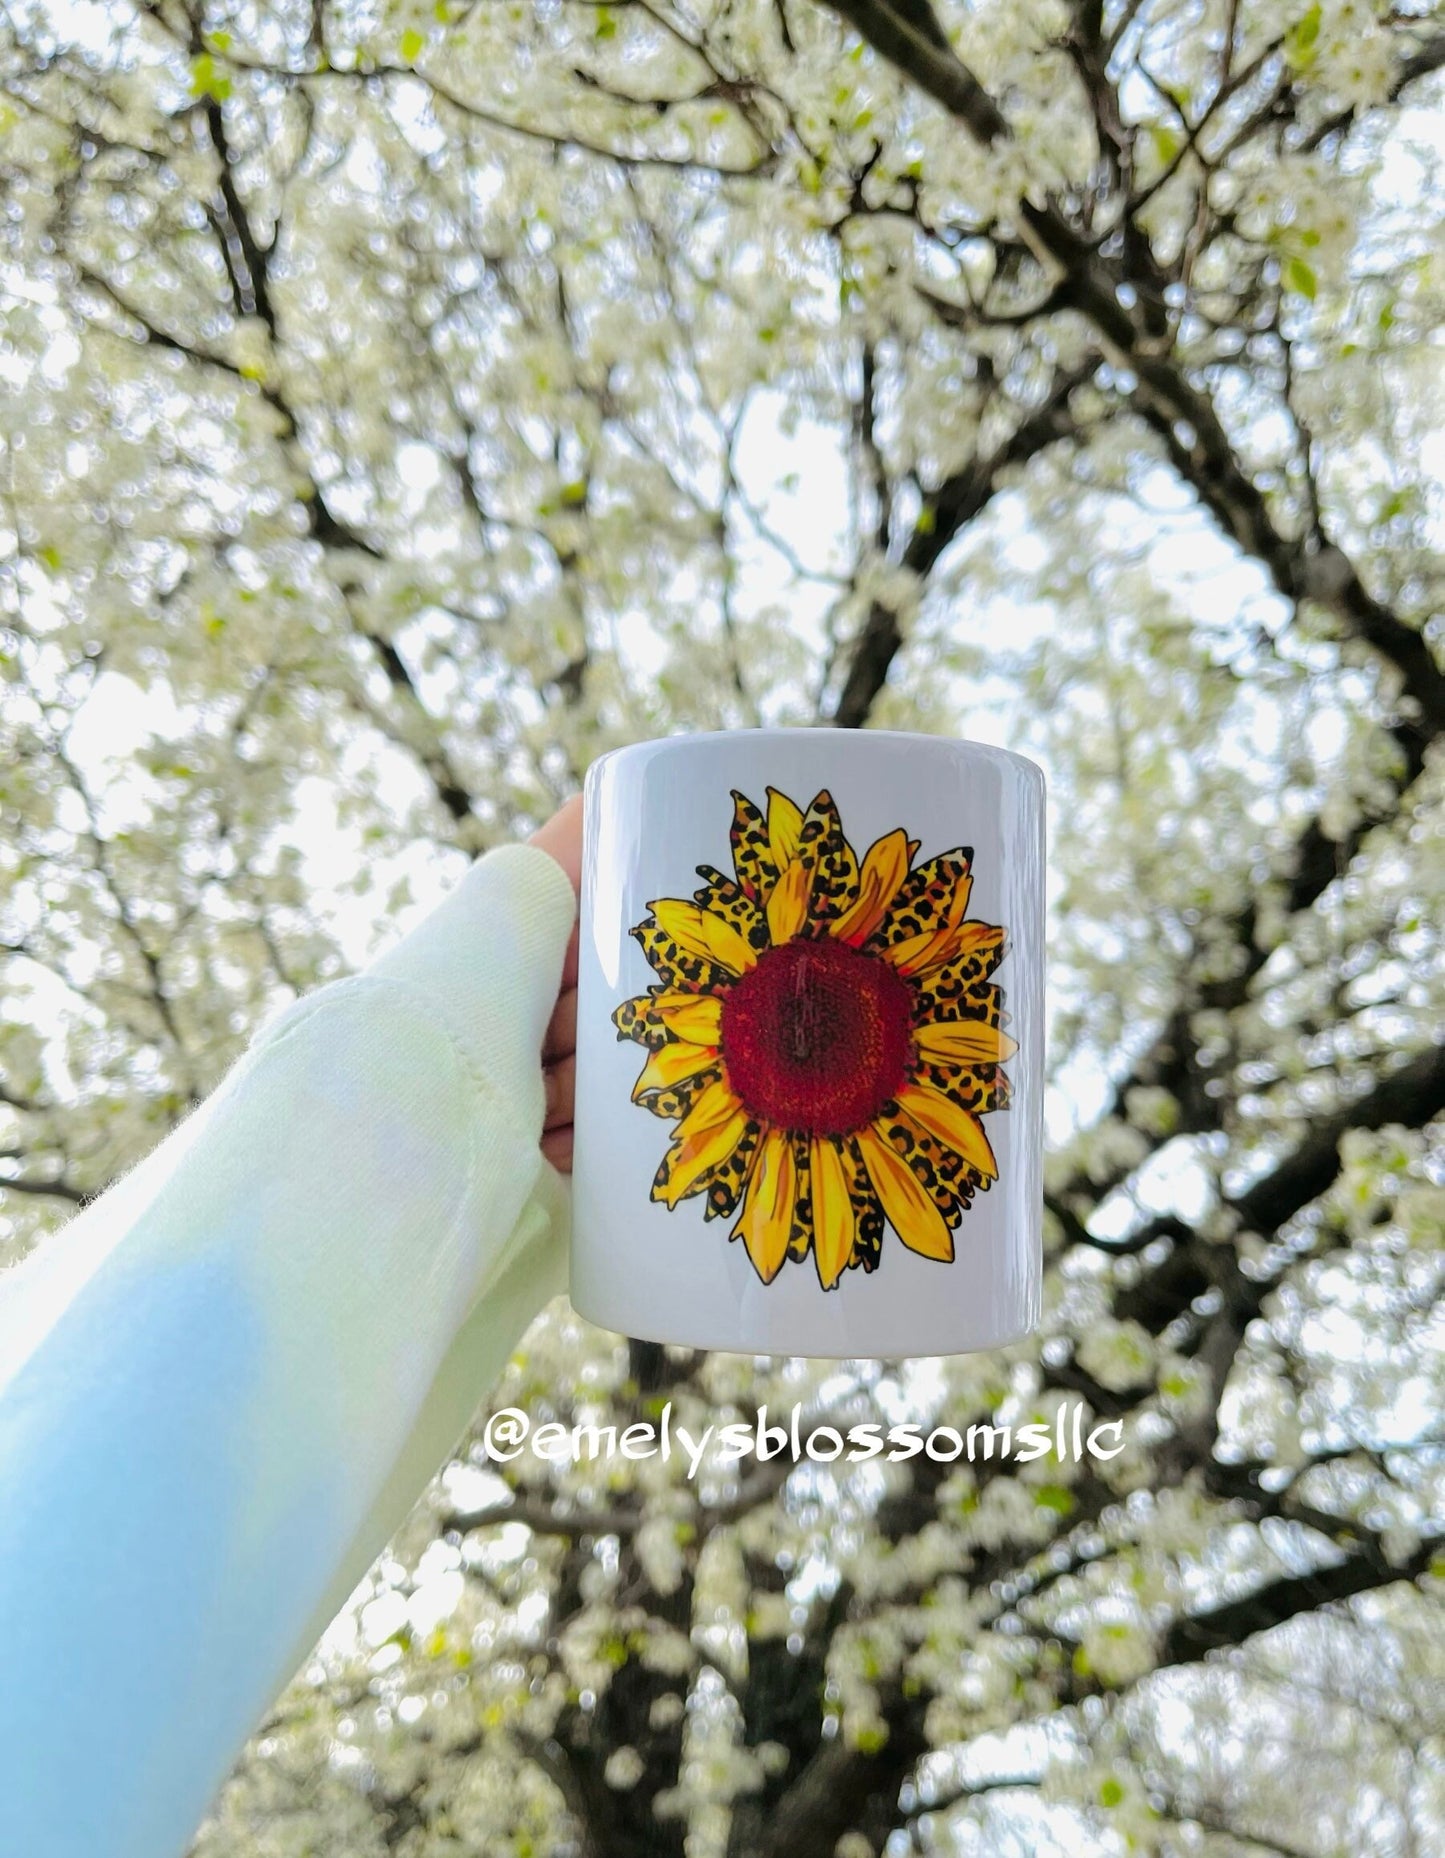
673,1064
912,953
956,1128
715,1103
788,905
958,904
785,824
961,939
767,1215
884,868
963,1041
917,953
700,1154
708,1134
694,1017
682,921
906,1201
834,1219
698,932
731,949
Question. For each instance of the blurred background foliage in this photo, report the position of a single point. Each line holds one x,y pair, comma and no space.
405,403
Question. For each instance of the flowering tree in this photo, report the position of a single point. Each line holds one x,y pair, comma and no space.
396,400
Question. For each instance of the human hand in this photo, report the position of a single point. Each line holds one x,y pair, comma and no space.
561,838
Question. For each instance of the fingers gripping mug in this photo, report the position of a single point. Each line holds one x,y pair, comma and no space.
810,1042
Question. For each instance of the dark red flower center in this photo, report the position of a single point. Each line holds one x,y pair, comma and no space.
816,1036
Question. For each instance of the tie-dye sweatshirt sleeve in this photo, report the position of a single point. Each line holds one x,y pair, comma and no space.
225,1382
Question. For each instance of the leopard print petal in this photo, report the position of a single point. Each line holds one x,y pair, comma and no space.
926,897
834,863
753,860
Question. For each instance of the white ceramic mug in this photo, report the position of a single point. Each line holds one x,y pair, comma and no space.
810,1040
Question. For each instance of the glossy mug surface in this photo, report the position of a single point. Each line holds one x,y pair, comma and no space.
810,1041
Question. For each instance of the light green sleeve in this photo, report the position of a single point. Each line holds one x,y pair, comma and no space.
224,1384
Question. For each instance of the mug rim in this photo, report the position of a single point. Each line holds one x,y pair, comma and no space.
682,738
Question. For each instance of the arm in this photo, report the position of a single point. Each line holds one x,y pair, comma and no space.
223,1384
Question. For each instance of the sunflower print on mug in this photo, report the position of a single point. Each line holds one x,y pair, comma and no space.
826,1037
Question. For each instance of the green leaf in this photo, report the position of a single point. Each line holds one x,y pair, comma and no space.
1054,1497
1111,1793
1300,41
1300,278
207,80
413,44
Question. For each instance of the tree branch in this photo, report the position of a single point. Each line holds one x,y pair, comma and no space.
953,505
913,39
1192,1637
57,1189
